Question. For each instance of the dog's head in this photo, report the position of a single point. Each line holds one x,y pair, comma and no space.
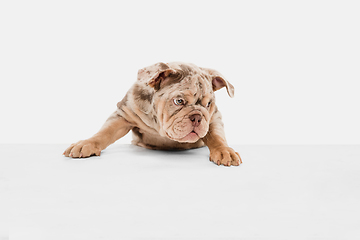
182,96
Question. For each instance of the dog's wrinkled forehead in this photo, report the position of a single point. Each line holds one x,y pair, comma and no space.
187,69
193,83
161,75
193,80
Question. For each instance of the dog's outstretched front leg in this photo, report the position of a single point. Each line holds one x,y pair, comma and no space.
114,128
220,152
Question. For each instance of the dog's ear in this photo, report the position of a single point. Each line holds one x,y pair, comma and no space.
218,81
155,75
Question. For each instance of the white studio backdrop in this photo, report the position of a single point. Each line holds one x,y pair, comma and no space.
294,64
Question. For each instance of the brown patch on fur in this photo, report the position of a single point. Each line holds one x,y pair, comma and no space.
186,70
142,94
198,102
162,66
155,119
137,132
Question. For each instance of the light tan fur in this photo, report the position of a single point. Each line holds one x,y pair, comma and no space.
170,106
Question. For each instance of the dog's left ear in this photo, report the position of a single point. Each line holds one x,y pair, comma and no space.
155,75
218,81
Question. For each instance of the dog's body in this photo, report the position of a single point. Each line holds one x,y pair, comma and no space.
171,106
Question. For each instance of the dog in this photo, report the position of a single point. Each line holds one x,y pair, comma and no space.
170,106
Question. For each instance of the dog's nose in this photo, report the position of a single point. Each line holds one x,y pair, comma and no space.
195,119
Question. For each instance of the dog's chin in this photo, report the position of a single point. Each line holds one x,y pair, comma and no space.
191,137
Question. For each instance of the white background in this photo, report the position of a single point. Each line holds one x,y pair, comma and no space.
278,193
294,64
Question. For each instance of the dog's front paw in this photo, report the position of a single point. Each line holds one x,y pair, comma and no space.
82,149
225,156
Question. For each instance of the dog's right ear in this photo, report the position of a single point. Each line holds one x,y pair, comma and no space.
155,75
218,81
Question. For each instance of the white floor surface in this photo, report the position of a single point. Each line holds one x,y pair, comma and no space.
279,192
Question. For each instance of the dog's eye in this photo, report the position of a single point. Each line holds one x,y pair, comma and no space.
179,101
208,105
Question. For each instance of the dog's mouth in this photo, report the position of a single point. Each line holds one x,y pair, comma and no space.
191,137
193,133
